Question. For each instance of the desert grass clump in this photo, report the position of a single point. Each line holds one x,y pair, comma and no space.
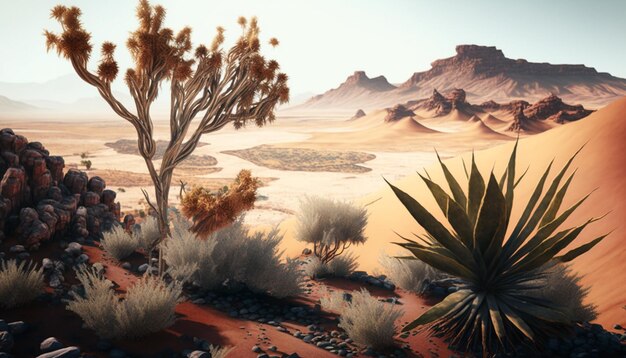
494,310
148,306
118,243
149,235
561,286
233,255
340,266
19,283
212,210
365,319
410,275
331,226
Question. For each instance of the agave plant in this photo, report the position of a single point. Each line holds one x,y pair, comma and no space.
493,310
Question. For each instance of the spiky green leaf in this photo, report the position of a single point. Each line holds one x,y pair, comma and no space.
439,310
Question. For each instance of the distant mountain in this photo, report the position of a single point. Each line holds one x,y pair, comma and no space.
9,105
485,74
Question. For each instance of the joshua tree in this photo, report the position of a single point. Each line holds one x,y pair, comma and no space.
210,87
494,309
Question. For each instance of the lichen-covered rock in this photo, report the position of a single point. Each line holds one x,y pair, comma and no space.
32,231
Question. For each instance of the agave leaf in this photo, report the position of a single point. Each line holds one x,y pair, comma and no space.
441,197
517,321
572,254
556,203
491,222
439,310
433,227
496,318
442,262
543,246
475,192
528,263
549,314
514,242
531,225
510,183
540,237
519,180
460,223
465,169
457,192
475,306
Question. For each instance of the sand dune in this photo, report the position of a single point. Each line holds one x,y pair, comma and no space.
456,115
600,165
408,124
480,128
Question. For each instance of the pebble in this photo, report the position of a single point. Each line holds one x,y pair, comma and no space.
143,268
69,352
16,249
50,344
47,264
127,266
256,349
117,353
199,354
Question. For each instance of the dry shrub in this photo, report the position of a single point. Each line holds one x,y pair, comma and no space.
118,243
211,211
365,319
149,235
411,275
232,254
148,306
561,286
19,283
340,266
331,226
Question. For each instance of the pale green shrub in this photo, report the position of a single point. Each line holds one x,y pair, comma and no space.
19,283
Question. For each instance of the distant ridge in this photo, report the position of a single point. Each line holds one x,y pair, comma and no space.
485,73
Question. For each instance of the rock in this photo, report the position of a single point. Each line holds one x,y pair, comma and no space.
74,249
69,352
76,181
16,249
143,268
103,345
398,112
96,185
50,344
6,341
307,251
618,327
256,349
3,326
127,266
359,114
18,327
90,199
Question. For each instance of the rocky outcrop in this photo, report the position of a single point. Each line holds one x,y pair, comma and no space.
520,121
442,105
359,114
398,112
39,203
553,108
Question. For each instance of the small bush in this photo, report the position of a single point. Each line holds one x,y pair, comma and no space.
211,211
340,266
365,319
315,268
331,226
86,163
219,352
148,306
150,234
232,255
562,288
19,283
118,243
411,275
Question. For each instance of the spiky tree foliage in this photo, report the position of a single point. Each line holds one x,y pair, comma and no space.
210,86
494,310
211,211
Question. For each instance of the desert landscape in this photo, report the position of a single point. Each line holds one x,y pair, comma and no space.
194,206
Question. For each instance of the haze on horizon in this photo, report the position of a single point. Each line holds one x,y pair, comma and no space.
324,41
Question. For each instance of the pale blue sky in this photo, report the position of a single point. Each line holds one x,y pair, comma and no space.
323,41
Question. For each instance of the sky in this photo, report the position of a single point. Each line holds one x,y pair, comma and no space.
324,41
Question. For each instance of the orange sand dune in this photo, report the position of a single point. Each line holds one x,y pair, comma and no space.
600,165
480,128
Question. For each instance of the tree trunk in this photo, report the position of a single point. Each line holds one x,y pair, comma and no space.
162,208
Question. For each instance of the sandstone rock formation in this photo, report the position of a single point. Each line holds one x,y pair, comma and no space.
359,114
39,203
398,112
